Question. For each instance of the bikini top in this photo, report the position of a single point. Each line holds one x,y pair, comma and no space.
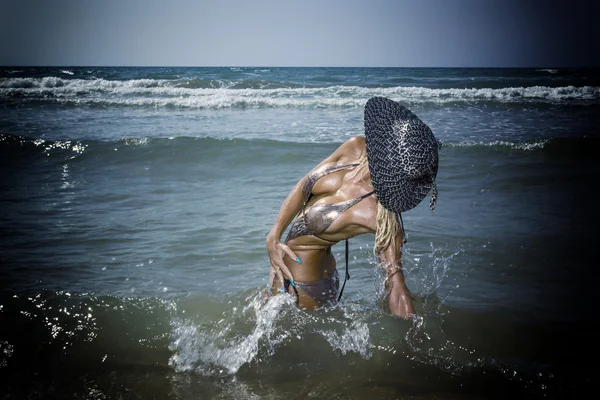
320,217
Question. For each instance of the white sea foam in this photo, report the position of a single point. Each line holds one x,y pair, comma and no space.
174,93
49,146
540,144
221,348
549,70
209,349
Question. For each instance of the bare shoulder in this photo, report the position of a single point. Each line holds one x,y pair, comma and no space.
349,151
353,148
358,142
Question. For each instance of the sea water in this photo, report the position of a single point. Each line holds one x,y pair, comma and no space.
135,203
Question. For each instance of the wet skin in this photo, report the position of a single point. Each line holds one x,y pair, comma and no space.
317,262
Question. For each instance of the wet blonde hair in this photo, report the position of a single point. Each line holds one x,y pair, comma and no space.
386,226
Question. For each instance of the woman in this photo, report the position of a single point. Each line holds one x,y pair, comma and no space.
361,188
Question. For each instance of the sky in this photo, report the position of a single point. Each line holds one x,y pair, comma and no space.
369,33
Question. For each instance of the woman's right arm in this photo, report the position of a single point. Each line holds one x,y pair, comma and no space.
275,248
290,207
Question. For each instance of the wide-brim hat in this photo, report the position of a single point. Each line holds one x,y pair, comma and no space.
402,154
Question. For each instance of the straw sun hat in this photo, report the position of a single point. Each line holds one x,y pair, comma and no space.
402,154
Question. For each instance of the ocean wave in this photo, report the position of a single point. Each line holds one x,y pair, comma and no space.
549,70
198,93
527,146
70,148
75,148
170,86
214,343
580,147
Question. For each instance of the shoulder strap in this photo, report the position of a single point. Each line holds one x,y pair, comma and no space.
347,273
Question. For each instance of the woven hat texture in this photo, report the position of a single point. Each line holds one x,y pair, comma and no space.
402,153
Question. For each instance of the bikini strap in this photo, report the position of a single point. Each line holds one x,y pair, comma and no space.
311,180
404,239
286,288
347,273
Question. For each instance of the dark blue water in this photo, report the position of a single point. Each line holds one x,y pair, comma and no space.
134,205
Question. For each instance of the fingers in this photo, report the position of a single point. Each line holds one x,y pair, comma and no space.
278,267
279,262
279,275
271,277
290,253
286,271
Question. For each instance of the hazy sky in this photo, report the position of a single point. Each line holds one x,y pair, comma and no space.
404,33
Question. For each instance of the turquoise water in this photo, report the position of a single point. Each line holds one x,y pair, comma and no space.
134,205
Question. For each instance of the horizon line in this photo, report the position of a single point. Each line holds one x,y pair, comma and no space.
285,66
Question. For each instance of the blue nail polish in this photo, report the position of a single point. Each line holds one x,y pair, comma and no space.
298,260
292,283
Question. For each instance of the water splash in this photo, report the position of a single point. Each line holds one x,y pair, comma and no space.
217,348
424,270
254,332
6,351
428,344
426,340
354,338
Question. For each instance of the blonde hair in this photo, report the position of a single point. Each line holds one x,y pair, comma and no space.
386,225
386,228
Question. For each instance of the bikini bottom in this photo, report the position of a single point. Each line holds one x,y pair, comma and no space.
322,292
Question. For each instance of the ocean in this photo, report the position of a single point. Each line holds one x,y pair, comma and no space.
135,204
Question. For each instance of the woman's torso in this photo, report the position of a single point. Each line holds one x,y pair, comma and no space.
339,200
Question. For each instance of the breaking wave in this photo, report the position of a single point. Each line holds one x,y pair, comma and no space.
219,94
